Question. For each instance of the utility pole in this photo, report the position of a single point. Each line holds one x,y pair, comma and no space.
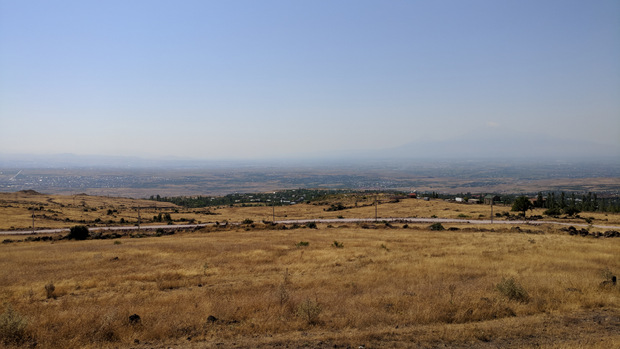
376,207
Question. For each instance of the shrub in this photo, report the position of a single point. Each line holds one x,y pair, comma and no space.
338,244
436,226
571,211
513,290
12,327
552,211
49,290
309,311
78,232
247,221
302,243
311,225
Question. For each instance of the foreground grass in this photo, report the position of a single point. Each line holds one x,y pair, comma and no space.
396,286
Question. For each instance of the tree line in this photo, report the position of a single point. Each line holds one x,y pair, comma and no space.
571,204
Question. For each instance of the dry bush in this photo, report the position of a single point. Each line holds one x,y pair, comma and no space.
513,290
13,327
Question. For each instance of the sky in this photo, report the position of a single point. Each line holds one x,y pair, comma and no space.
267,79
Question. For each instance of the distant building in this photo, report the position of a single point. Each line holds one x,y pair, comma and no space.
413,195
459,199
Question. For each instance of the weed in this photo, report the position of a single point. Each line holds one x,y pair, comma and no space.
12,327
513,290
452,289
385,247
337,244
302,243
607,274
283,293
309,311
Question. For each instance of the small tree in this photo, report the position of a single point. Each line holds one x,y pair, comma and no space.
522,204
79,232
571,211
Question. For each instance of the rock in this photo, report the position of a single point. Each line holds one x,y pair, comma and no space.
211,319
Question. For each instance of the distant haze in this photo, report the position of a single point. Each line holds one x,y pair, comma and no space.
249,80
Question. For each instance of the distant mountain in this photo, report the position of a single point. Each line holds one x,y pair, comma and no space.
492,144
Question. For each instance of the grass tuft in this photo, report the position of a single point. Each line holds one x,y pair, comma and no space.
513,290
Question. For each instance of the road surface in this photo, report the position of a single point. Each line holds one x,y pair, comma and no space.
326,221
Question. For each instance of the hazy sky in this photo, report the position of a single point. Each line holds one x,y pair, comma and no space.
248,79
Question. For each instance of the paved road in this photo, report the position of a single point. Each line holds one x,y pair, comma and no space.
439,220
327,221
129,227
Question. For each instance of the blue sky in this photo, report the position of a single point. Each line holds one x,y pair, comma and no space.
261,79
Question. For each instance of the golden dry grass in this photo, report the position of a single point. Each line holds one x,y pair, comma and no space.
386,287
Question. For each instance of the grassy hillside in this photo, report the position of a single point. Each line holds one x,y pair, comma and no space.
340,285
64,211
266,287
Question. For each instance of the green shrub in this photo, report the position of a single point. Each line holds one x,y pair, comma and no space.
311,225
436,226
78,232
338,244
302,243
513,290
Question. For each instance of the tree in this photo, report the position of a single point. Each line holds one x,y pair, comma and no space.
78,232
539,200
522,204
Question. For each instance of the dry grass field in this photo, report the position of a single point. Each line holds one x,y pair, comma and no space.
341,285
265,287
